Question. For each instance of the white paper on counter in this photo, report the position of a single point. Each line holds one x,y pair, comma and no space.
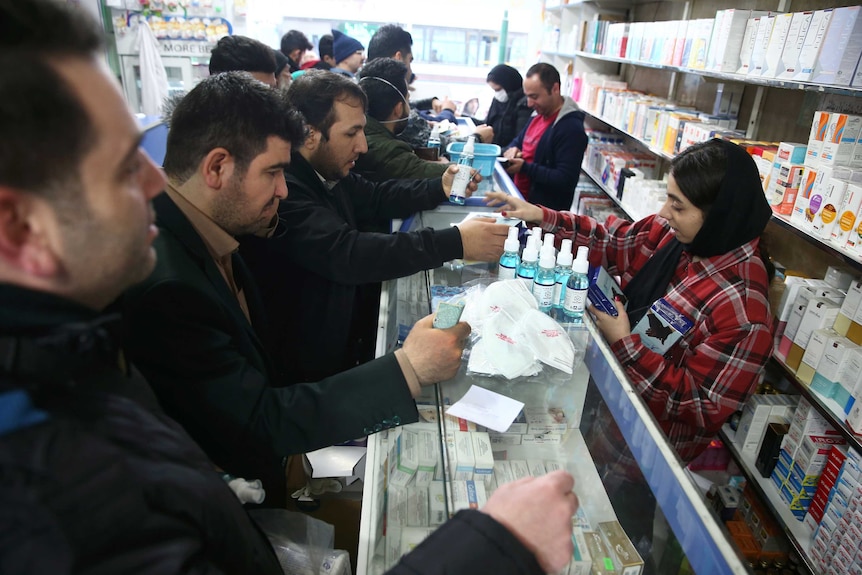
336,461
488,408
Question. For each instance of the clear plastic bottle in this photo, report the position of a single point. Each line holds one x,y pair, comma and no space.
561,276
529,263
575,301
434,139
543,283
509,261
458,195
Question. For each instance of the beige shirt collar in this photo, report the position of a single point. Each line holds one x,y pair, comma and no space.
219,243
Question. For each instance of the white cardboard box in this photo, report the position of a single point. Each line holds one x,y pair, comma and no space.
761,43
841,49
749,38
793,45
775,48
813,42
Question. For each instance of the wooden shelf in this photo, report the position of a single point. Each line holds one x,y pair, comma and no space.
796,531
727,77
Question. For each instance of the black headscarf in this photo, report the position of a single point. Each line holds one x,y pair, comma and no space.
506,77
738,215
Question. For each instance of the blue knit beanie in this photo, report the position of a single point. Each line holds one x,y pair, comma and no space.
343,46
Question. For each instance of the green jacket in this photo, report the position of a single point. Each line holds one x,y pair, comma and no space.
389,158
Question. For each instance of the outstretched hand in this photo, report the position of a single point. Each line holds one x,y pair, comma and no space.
512,207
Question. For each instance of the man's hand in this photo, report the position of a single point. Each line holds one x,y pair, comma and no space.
512,153
485,133
435,354
439,105
538,511
514,166
449,177
482,239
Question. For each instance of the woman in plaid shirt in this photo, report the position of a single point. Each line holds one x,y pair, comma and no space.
699,265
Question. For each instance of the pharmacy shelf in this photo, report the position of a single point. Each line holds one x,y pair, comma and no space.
642,142
796,531
611,194
852,260
827,407
725,76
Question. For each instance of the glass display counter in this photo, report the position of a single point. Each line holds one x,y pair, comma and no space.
598,429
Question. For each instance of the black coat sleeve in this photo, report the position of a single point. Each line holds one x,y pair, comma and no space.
322,241
471,542
191,353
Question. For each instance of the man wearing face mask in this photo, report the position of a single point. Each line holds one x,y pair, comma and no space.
320,273
384,82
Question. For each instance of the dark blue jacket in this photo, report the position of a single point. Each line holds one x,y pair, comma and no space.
556,168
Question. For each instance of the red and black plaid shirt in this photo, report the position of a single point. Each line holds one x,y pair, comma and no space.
711,371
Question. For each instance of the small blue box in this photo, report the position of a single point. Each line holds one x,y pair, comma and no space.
484,156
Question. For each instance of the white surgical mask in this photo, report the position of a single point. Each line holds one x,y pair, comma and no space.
501,96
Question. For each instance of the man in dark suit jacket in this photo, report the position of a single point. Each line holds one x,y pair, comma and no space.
196,325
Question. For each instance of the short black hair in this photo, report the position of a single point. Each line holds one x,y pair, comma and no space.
548,75
324,46
388,40
242,54
45,131
231,111
314,95
382,97
294,39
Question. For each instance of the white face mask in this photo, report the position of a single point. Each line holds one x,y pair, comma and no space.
501,96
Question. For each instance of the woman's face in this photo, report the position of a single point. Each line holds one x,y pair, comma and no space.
495,86
681,214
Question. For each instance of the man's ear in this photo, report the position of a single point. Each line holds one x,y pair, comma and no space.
217,167
26,226
313,139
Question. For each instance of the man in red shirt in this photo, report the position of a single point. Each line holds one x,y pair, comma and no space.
545,159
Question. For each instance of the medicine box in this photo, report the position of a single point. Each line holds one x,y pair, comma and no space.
436,504
581,563
800,214
599,553
831,363
503,472
833,192
626,558
793,45
464,459
403,457
845,234
819,313
429,451
840,141
545,420
468,495
483,457
761,42
775,46
519,469
417,507
816,136
841,48
814,353
810,52
749,38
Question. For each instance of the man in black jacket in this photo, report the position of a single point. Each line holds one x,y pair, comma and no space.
97,479
319,275
197,330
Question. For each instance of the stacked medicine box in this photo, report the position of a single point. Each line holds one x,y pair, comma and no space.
829,196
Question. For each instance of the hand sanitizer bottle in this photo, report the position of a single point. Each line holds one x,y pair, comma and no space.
509,260
562,273
575,301
529,263
543,284
458,194
434,139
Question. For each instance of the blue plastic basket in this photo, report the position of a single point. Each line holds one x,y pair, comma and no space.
484,156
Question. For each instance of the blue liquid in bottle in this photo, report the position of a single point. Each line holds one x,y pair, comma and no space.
575,300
